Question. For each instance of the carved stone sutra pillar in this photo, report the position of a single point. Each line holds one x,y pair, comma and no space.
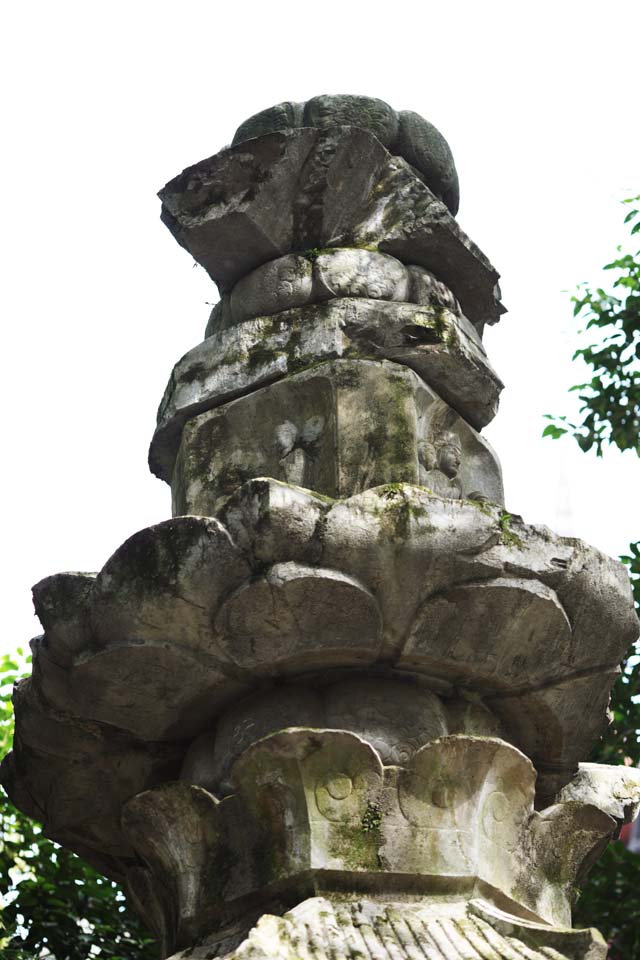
338,705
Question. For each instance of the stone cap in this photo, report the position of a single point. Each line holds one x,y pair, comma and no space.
403,133
308,190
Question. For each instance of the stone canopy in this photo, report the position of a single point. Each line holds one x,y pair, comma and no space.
344,699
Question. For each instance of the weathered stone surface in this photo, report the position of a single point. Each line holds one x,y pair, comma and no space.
435,343
405,133
60,603
396,547
337,428
278,285
404,219
74,776
423,146
337,110
320,804
440,927
559,722
309,189
291,694
282,116
425,288
146,663
295,280
366,706
178,832
179,589
281,193
297,618
613,790
361,273
424,544
529,632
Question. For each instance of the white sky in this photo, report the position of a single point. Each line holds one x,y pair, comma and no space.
106,101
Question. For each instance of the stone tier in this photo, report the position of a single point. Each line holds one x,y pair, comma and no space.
432,927
307,190
298,280
455,598
438,345
316,809
337,428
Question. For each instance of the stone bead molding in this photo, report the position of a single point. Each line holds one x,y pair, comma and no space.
435,929
190,616
307,190
337,428
297,280
440,347
405,133
317,809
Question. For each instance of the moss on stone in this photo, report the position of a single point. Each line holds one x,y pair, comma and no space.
507,536
356,846
259,355
234,356
371,818
483,506
397,515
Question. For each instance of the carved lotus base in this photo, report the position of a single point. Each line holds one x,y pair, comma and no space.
318,810
452,600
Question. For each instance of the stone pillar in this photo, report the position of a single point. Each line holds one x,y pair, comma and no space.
340,704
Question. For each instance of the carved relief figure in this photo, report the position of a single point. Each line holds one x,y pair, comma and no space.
440,459
297,447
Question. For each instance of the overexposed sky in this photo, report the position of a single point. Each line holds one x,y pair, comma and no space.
104,102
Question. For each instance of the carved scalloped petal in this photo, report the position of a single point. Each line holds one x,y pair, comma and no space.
568,838
145,661
467,801
500,633
141,889
155,691
558,723
164,582
314,793
296,618
462,782
61,603
178,831
75,775
274,522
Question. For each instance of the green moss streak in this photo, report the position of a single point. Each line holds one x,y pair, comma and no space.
397,515
357,845
507,535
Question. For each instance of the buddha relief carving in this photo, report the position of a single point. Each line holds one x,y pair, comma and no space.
298,449
440,458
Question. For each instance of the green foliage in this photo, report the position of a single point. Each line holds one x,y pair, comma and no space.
610,900
611,415
54,905
611,399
